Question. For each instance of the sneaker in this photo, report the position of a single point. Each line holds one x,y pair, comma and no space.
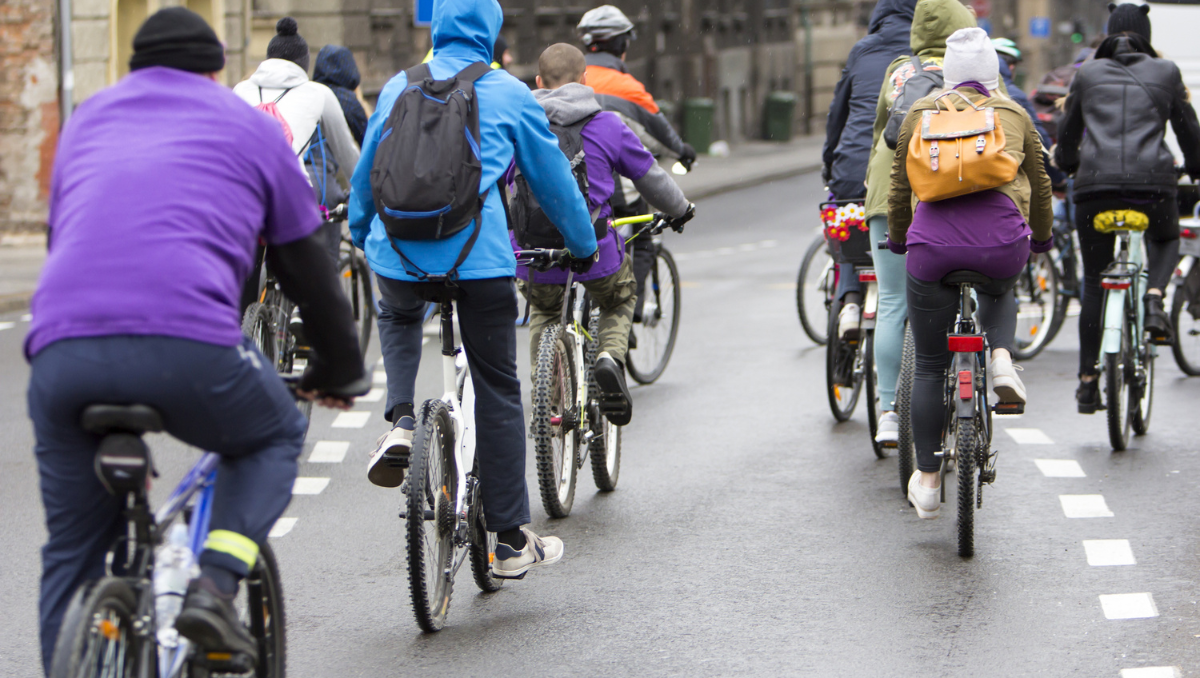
209,620
849,318
1157,322
1087,396
510,563
1005,382
927,500
888,431
615,400
390,460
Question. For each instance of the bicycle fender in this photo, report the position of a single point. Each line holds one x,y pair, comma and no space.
1114,321
964,407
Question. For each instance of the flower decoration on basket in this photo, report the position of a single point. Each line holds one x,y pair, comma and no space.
840,219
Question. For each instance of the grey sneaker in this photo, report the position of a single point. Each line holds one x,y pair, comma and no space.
390,460
513,564
888,431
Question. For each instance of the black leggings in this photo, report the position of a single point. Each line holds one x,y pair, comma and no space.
932,308
1162,250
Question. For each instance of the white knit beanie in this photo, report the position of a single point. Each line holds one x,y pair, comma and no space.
971,57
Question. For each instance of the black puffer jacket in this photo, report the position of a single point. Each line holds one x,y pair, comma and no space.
849,129
1123,152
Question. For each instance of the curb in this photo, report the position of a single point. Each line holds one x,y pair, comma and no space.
15,302
748,182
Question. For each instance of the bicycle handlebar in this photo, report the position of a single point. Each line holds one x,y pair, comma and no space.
338,213
542,259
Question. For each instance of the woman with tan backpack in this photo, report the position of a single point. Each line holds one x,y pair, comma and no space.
968,192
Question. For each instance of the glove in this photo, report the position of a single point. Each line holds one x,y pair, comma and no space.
1041,246
688,156
581,266
826,174
897,247
676,223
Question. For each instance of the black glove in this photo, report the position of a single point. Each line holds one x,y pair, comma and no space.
676,224
826,174
688,156
581,266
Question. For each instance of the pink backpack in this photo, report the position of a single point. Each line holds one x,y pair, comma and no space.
272,110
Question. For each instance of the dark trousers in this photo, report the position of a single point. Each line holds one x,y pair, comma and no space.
932,308
223,399
487,317
1162,252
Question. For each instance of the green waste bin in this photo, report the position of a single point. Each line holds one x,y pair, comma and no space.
698,123
778,115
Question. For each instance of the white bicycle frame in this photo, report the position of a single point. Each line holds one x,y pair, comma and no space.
456,376
1114,299
866,276
575,328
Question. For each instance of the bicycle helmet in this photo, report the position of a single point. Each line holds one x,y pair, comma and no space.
603,23
1007,47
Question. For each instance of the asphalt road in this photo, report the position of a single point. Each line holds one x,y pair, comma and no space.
750,534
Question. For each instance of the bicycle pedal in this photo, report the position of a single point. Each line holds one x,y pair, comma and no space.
889,445
224,663
1009,408
519,576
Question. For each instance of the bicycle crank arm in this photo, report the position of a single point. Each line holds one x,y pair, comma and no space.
429,515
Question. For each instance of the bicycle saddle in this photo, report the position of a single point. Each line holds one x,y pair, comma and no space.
136,419
967,277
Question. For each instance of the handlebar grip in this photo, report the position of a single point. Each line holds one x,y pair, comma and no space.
881,245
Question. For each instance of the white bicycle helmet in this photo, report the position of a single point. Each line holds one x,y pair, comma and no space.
603,23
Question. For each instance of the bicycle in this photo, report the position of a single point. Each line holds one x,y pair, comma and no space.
111,627
1044,291
815,286
443,505
906,453
355,275
1127,357
653,338
1186,297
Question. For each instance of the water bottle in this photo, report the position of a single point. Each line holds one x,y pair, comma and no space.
174,567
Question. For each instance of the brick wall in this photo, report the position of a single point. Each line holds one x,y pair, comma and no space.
28,112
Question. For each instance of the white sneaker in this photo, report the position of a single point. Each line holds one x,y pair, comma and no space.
390,460
927,500
888,431
1006,383
513,564
849,319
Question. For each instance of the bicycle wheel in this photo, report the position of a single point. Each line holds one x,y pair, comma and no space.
843,376
260,326
872,387
483,543
1037,292
1144,392
1116,392
906,452
97,636
555,422
356,284
604,449
261,605
660,321
1186,348
967,448
814,287
429,514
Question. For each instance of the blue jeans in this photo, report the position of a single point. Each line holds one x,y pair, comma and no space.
893,311
226,399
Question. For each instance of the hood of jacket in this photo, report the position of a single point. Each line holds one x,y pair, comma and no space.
934,21
891,11
279,74
335,67
568,104
466,28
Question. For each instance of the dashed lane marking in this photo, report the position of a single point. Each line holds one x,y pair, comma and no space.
26,318
310,485
379,363
1084,506
329,452
372,396
726,251
379,377
7,326
282,527
1105,552
355,419
1029,436
1151,672
1128,606
1060,468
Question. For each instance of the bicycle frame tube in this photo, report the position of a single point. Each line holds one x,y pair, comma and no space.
1129,250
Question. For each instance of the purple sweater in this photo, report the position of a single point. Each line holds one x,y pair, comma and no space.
945,236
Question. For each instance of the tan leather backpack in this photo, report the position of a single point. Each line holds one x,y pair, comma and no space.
958,152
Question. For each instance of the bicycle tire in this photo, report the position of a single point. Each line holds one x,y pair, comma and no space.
355,276
261,323
95,613
267,620
483,545
871,385
1185,338
812,327
839,361
604,449
1116,392
648,374
429,514
1145,394
554,389
906,452
1042,293
966,443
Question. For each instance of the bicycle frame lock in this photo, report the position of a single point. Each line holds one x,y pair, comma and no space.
966,384
965,343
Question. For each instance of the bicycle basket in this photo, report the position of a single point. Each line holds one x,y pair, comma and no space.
1111,221
846,231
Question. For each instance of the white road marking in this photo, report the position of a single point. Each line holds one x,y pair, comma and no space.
1151,672
26,318
379,363
682,257
748,247
768,243
310,485
1128,606
355,419
1029,436
7,326
379,377
1060,468
1084,506
329,452
282,527
1104,552
372,396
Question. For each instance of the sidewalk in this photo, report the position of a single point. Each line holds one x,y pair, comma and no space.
748,164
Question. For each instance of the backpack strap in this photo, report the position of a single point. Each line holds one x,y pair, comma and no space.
1149,94
473,72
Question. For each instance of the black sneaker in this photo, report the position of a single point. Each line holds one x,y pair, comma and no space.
209,620
615,400
1087,396
1158,323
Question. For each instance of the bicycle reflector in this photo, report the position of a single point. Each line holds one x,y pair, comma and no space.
966,385
965,343
1188,233
866,276
1116,283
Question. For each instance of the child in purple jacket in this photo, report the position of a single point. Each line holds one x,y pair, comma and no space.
609,147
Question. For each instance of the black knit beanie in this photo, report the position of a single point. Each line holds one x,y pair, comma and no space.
177,37
1129,18
287,43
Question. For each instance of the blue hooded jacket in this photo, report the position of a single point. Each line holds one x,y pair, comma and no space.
511,124
849,131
